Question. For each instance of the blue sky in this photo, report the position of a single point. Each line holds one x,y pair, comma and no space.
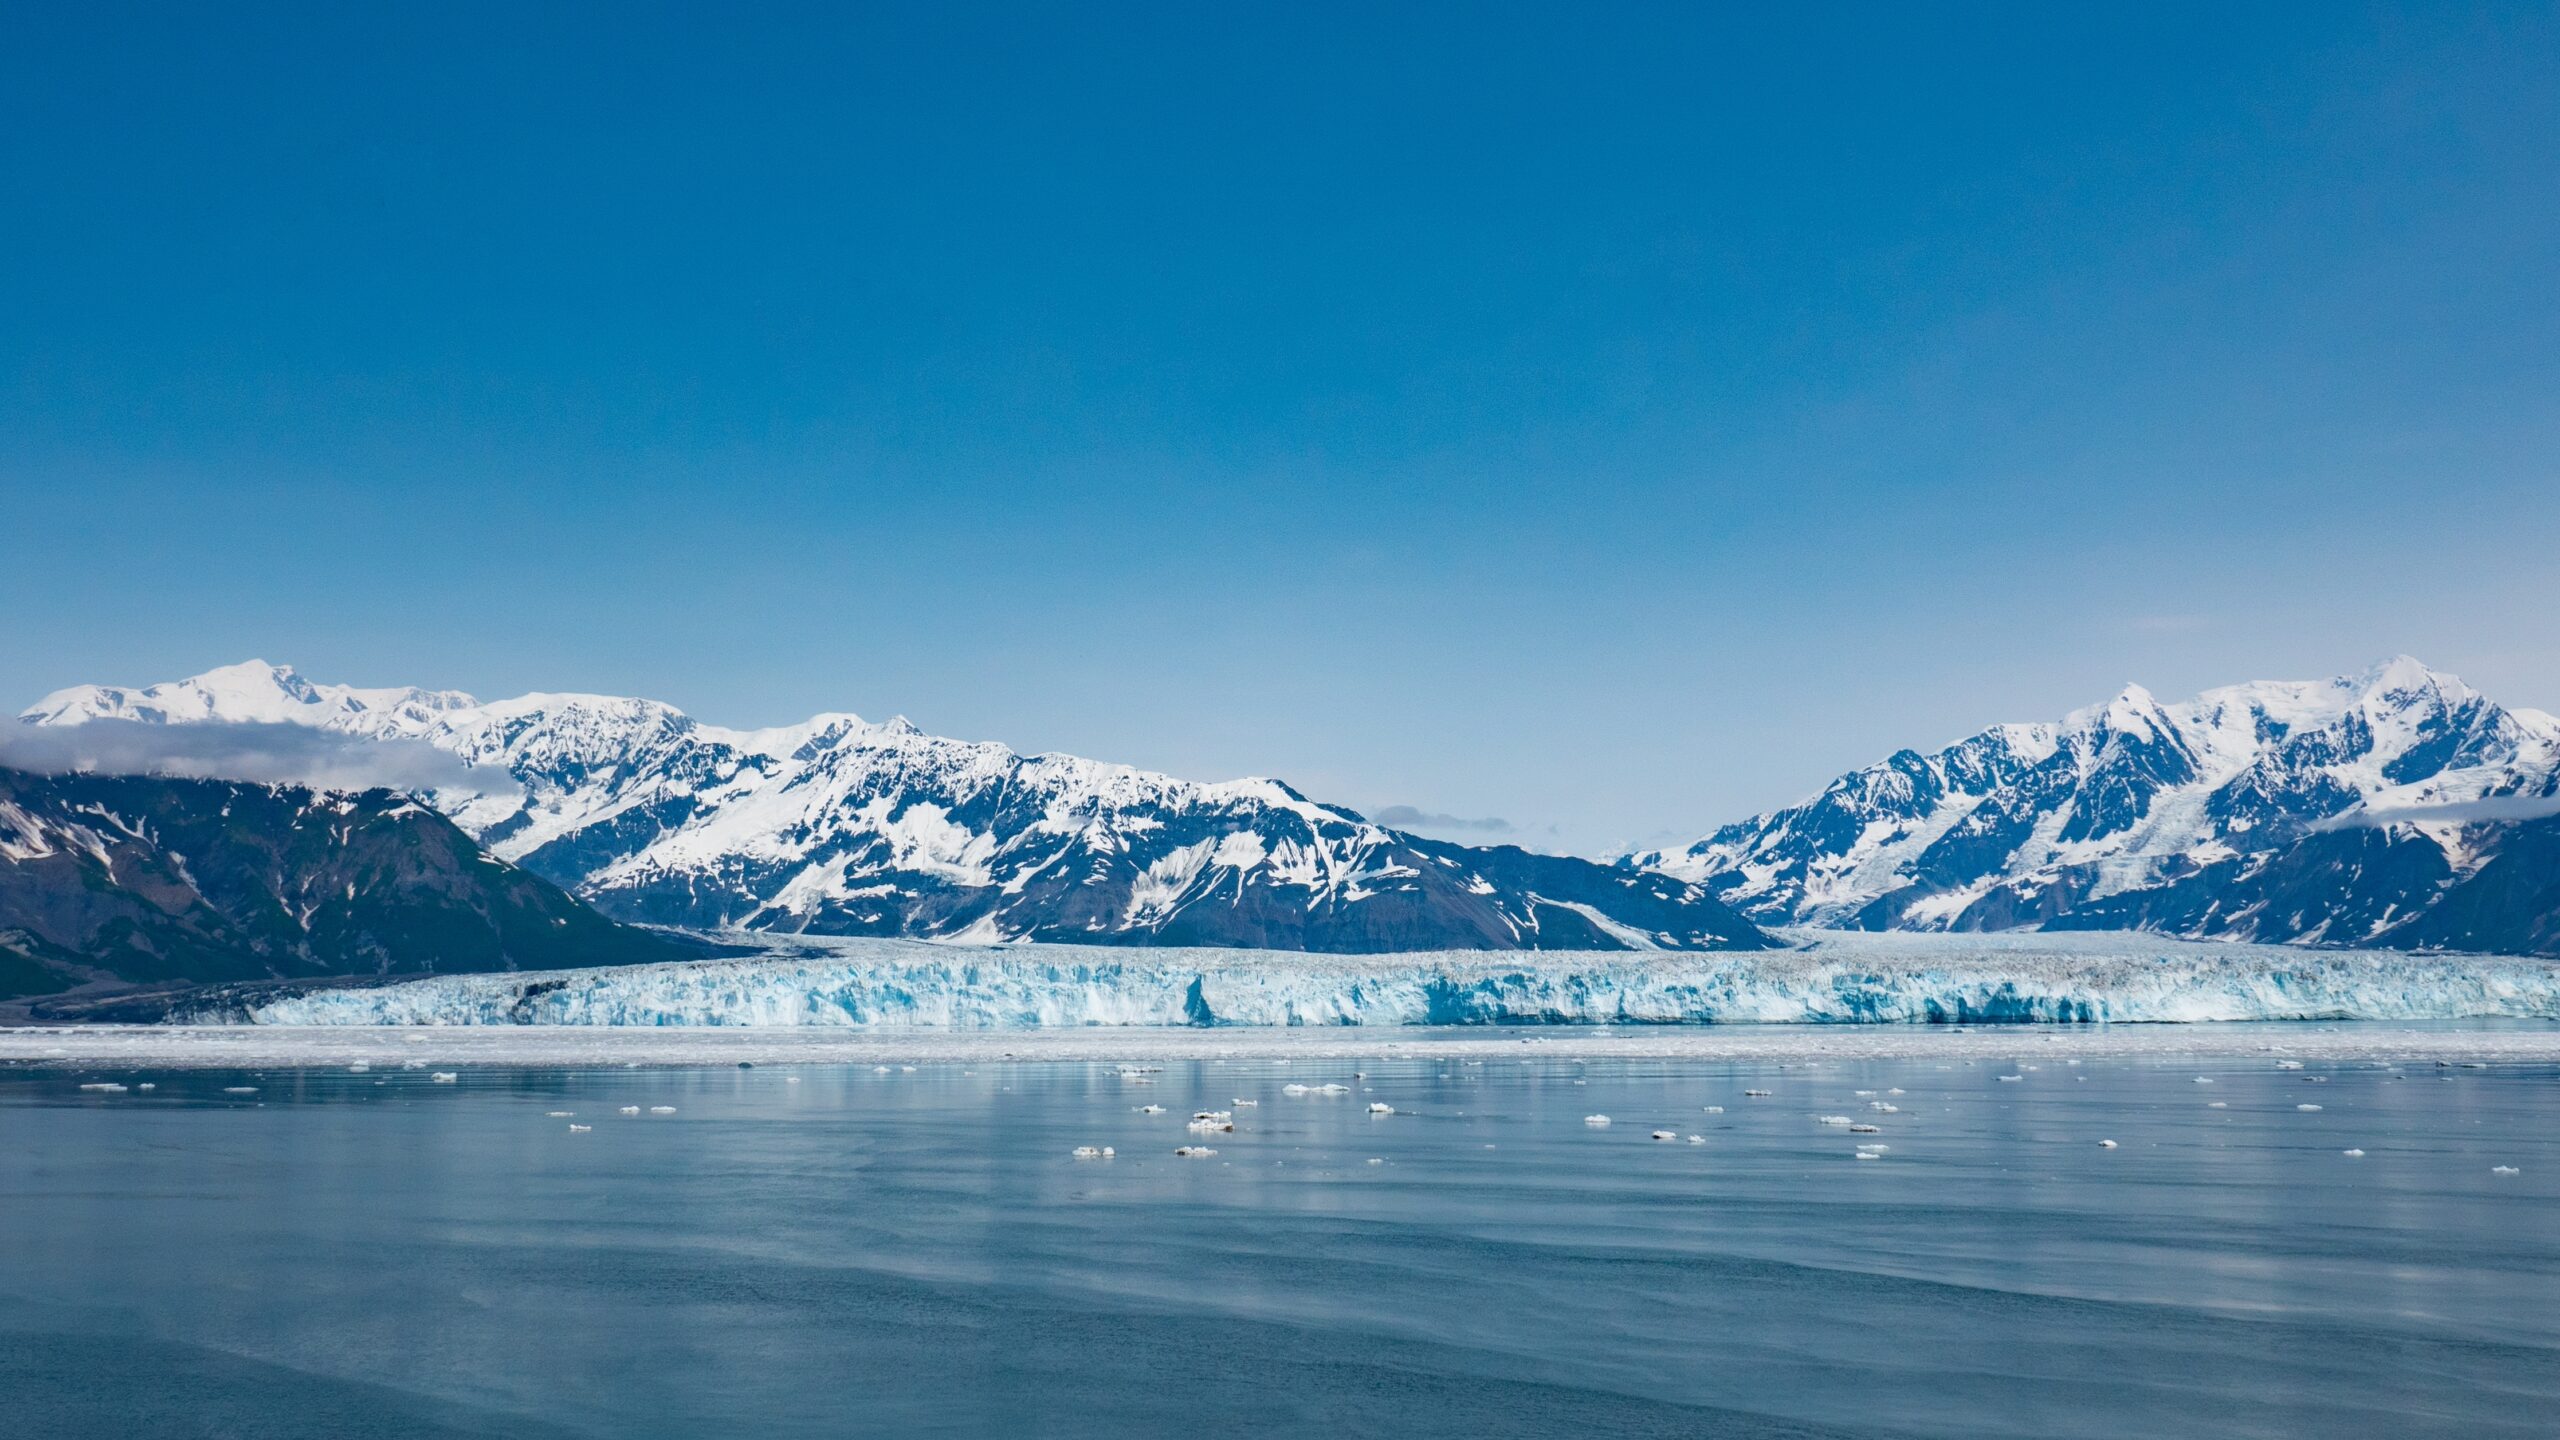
1611,419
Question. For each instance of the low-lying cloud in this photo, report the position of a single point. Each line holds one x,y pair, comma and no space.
2457,812
1406,817
264,754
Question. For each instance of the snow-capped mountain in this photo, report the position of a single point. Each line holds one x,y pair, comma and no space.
845,827
2396,807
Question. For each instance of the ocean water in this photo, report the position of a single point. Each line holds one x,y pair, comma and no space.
838,1251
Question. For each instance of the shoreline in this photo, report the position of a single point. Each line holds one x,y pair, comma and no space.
581,1047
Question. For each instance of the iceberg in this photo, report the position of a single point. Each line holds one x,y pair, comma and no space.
1825,978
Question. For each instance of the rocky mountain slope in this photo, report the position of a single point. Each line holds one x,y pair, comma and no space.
839,826
150,880
2397,807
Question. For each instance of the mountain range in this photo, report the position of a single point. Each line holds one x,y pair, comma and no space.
2396,808
840,826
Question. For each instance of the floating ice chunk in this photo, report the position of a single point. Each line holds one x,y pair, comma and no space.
1666,1135
662,1109
1333,1089
1595,1120
2352,1154
2306,1107
1381,1107
1088,1152
1896,1090
445,1077
1194,1152
2106,1144
358,1068
104,1087
2504,1170
2011,1079
630,1110
1715,1109
239,1089
879,1069
1293,1089
1759,1094
1150,1109
2204,1079
1831,1119
2217,1104
559,1114
580,1129
1867,1155
2288,1064
1872,1147
1697,1139
1882,1107
1377,1159
1245,1104
146,1085
1866,1129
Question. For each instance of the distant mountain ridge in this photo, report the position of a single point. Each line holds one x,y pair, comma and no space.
842,826
138,880
2397,807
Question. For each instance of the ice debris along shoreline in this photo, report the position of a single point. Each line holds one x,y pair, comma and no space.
1830,979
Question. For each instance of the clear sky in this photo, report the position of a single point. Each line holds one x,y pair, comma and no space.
1613,419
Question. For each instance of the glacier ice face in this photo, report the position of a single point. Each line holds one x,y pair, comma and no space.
1829,978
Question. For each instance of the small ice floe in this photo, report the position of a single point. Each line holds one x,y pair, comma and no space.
146,1085
104,1087
1150,1109
2204,1079
413,1064
1245,1104
1293,1089
2504,1170
1872,1148
1377,1159
1333,1089
2352,1154
1381,1107
879,1069
2106,1144
2217,1104
1831,1119
1896,1090
2288,1064
1194,1152
2011,1079
790,1079
1758,1094
1666,1134
445,1077
1866,1129
1862,1094
1595,1120
662,1109
1715,1109
358,1068
630,1110
239,1089
580,1129
1884,1107
1088,1152
1211,1122
2306,1107
559,1114
1866,1155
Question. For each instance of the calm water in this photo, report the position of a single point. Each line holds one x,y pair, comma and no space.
832,1251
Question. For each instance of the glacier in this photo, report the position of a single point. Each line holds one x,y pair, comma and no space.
1823,978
